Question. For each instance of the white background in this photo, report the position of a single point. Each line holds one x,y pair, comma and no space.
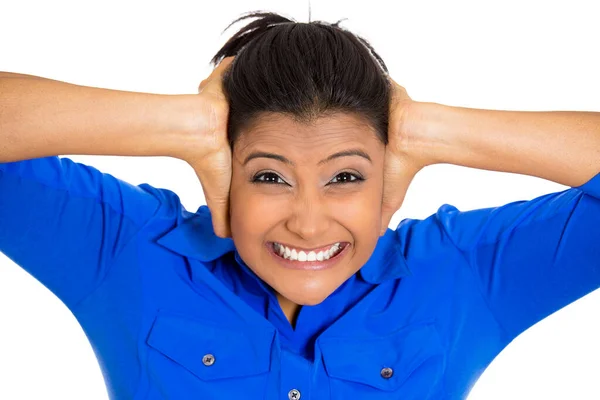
520,55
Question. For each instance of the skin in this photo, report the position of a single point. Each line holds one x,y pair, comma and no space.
560,146
304,203
211,156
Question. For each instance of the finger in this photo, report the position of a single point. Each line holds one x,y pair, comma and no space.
220,69
388,203
218,201
202,85
224,64
399,94
218,204
220,218
216,73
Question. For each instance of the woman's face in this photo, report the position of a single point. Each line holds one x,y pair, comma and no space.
306,187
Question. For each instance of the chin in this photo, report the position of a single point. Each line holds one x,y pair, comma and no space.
307,297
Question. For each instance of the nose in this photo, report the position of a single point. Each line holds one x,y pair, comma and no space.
309,218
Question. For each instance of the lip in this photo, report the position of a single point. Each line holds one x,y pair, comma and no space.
308,265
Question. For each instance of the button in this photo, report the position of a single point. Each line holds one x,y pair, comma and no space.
208,360
294,394
387,373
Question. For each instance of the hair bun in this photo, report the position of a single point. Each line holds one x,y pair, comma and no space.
265,21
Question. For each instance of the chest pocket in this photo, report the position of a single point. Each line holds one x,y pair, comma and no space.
407,364
193,356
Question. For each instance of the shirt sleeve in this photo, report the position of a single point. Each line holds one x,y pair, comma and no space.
531,258
66,222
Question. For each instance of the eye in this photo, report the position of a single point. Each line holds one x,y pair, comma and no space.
268,177
346,177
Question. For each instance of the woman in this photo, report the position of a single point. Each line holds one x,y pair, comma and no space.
294,288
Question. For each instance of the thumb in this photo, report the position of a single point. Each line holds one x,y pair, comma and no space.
398,173
214,173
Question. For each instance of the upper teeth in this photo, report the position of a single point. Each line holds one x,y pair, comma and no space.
299,255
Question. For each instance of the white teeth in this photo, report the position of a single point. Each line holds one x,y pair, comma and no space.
293,254
301,256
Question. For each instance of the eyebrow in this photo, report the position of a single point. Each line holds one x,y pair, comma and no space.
345,153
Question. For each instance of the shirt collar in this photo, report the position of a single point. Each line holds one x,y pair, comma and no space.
387,261
194,237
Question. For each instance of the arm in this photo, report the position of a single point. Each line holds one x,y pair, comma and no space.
563,147
64,222
529,258
41,117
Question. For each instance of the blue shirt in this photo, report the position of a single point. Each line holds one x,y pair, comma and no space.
172,312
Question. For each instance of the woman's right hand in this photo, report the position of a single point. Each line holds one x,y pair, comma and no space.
210,155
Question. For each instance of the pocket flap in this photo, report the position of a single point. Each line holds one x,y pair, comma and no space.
236,352
363,360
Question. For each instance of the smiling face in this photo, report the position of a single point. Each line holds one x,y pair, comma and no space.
306,188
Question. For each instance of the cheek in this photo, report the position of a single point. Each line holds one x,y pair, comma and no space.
360,211
252,213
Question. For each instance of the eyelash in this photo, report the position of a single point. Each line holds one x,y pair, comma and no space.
255,179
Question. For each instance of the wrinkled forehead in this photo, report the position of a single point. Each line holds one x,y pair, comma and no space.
279,131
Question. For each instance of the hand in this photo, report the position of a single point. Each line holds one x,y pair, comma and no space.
211,158
399,166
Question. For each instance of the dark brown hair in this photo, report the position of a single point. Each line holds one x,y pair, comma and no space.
303,70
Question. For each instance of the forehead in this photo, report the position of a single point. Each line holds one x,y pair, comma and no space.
323,133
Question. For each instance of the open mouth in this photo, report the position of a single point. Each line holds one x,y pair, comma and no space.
315,255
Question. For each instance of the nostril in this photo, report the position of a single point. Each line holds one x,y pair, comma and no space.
308,225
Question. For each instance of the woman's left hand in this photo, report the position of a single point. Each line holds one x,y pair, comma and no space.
400,166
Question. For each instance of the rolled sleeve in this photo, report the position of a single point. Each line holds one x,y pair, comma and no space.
591,187
531,258
65,222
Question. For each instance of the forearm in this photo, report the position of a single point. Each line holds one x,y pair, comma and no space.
563,147
42,117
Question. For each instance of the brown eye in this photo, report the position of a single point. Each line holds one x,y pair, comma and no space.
346,177
268,177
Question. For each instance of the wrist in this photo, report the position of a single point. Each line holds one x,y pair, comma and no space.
151,125
426,138
180,119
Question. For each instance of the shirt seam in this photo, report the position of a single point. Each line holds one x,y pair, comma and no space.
76,305
80,195
142,359
479,288
134,237
141,226
110,265
576,195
